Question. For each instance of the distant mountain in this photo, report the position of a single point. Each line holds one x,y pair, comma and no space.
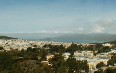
65,37
84,38
6,37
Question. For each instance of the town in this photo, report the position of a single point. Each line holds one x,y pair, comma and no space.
23,56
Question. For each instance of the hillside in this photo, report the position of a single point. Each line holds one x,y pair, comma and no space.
112,42
65,37
6,37
82,38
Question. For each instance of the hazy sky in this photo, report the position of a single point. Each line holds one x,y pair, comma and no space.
58,16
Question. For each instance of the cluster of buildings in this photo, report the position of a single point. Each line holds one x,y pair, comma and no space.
92,59
18,44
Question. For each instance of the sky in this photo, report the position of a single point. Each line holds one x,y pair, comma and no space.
58,16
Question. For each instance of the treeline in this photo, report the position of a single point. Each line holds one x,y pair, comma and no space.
99,48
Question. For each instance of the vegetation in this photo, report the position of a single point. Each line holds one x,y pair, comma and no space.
30,61
111,42
112,61
100,65
34,60
6,37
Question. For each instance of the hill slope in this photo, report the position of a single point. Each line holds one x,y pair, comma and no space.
112,42
6,37
82,38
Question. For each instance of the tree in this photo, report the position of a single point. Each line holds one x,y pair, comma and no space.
58,64
99,71
29,49
100,65
111,62
72,64
72,48
1,48
7,62
110,70
98,45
